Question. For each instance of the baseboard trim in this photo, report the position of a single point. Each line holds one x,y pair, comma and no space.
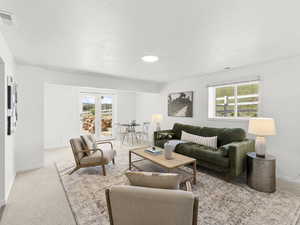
26,169
2,203
54,147
9,188
1,211
289,179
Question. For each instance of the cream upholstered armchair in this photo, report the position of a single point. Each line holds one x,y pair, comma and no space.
89,157
136,205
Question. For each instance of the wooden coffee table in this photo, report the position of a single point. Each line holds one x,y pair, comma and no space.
171,165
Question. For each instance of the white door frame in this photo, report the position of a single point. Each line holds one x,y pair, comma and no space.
98,96
2,132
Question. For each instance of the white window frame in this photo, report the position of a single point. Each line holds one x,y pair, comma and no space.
212,100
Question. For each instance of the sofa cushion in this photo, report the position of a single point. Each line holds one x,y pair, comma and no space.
160,143
178,128
154,180
229,135
224,150
204,153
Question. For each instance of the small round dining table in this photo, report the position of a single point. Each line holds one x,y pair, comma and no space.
131,131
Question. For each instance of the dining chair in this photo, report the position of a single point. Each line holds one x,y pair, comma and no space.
143,134
121,131
132,134
129,132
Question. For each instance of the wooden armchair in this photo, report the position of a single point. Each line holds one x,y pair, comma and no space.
152,198
91,157
134,205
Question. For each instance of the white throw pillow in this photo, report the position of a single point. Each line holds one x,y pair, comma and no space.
206,141
89,141
154,180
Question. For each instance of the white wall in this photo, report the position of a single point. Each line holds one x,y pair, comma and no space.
279,99
147,104
62,112
31,80
7,167
126,103
61,115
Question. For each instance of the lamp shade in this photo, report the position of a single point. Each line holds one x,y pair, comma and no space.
262,126
157,118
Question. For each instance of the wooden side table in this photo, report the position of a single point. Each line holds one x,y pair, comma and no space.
261,172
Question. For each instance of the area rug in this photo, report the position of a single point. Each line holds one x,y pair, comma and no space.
220,202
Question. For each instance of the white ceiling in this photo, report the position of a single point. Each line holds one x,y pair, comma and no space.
190,37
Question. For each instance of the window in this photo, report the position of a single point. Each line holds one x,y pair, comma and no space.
238,100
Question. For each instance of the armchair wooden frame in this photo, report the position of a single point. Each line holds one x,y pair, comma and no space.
77,160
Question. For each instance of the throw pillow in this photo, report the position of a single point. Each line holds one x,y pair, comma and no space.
206,141
154,180
163,136
89,141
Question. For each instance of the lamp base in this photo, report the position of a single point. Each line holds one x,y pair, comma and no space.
158,127
260,146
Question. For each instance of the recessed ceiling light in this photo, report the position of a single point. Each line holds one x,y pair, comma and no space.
150,58
227,68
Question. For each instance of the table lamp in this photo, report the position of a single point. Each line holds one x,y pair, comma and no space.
261,127
157,118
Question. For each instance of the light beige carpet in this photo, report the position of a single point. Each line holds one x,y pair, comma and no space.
220,202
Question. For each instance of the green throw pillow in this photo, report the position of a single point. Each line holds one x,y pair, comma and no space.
163,136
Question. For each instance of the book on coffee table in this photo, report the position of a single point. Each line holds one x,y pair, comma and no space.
153,151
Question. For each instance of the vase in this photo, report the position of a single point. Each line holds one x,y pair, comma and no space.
168,150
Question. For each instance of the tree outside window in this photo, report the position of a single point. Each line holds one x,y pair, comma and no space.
239,100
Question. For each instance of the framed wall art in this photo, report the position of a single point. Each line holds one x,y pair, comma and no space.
12,100
180,104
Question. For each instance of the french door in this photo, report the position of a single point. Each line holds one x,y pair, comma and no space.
96,115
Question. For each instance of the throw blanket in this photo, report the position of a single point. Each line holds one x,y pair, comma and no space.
173,143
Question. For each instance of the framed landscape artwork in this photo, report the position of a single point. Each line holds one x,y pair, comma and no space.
180,104
12,99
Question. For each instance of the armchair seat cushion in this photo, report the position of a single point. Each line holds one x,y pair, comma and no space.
96,157
203,153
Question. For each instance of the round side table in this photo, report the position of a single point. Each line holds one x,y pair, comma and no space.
261,172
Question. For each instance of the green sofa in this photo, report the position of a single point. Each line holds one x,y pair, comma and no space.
229,157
